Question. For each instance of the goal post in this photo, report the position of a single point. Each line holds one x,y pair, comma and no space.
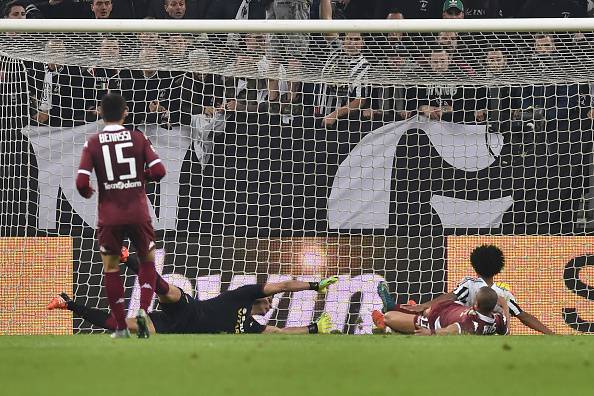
296,150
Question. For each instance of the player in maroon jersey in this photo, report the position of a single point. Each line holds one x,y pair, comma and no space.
451,317
118,157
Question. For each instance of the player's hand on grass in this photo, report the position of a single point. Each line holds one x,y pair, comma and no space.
422,332
324,324
326,282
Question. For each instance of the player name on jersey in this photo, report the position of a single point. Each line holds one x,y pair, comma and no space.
121,136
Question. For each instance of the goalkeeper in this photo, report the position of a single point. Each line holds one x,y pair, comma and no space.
229,312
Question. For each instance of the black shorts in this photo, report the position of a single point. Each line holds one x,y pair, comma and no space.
180,317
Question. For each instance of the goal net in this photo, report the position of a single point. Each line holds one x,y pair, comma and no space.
383,154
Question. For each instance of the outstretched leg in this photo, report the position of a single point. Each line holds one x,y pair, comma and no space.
98,317
400,321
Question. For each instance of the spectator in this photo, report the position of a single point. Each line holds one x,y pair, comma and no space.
289,50
385,45
396,37
176,47
15,10
21,9
336,101
196,100
99,81
148,40
148,92
175,9
443,101
56,90
388,103
200,92
496,104
549,106
452,42
250,94
453,9
101,8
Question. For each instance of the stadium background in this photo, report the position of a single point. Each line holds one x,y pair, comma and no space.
243,232
267,190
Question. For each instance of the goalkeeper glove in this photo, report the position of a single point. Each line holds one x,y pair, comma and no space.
322,326
322,286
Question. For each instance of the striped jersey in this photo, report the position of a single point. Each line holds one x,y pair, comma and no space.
467,290
340,66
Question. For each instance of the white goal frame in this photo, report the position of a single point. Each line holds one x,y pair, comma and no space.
298,26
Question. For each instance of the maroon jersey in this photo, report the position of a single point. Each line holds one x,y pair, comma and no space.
119,157
468,320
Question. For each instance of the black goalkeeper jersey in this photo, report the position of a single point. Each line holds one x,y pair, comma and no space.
229,312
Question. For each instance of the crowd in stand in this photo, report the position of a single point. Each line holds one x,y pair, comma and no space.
257,9
63,95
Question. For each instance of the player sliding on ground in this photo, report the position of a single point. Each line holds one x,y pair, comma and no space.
229,312
487,261
118,157
450,317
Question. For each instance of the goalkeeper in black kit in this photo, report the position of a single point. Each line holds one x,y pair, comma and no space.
229,312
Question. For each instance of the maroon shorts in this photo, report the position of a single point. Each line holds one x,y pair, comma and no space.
111,237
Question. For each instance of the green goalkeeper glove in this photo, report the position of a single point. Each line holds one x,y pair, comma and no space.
322,326
322,286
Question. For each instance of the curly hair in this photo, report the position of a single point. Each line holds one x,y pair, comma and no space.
487,260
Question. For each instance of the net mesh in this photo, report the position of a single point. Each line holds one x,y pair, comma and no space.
308,155
398,58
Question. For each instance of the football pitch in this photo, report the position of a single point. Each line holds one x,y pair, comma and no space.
208,365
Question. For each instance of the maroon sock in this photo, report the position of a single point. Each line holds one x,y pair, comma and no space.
115,296
162,287
147,279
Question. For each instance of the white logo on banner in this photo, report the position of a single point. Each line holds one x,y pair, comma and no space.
58,150
360,195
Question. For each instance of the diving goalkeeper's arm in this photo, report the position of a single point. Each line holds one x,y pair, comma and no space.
295,285
322,325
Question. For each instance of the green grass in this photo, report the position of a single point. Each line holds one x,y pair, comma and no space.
282,365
